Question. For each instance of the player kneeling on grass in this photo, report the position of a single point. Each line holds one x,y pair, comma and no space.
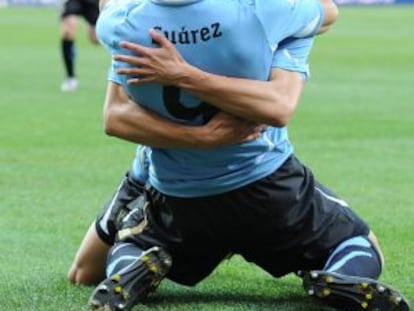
348,279
133,272
255,198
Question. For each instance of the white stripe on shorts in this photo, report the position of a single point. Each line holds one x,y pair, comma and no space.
331,198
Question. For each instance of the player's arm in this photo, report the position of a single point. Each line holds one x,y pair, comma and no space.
269,102
127,120
331,13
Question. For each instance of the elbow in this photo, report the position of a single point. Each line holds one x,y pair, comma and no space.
331,13
279,120
283,121
109,130
111,123
281,117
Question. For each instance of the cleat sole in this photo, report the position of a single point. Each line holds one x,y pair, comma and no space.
124,290
353,293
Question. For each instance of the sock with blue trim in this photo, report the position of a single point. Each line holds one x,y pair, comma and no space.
355,257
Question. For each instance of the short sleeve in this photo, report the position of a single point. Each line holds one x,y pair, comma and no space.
108,29
289,18
106,26
112,75
292,54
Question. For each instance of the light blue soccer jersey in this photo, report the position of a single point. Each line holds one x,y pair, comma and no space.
236,38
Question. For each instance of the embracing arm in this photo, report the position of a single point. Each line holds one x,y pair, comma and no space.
269,102
125,119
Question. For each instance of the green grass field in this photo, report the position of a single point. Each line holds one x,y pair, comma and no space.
354,127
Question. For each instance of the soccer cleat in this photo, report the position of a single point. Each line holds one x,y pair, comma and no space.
132,284
353,293
69,85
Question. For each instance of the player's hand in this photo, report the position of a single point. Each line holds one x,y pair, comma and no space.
163,65
225,129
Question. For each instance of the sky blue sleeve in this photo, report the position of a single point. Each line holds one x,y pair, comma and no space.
107,33
289,18
106,25
112,75
292,54
310,18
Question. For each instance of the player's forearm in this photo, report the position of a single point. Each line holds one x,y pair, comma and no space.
151,129
124,119
265,102
127,120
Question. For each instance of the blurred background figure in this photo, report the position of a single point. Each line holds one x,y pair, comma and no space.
71,11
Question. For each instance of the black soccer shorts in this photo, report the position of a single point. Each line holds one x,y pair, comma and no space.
88,9
283,223
107,220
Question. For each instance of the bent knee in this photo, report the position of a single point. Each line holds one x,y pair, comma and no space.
72,275
78,275
372,237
